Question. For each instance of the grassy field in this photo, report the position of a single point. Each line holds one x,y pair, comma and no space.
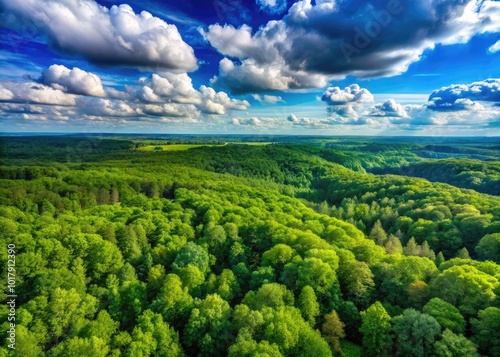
182,147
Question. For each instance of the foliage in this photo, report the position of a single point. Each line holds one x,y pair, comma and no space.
246,250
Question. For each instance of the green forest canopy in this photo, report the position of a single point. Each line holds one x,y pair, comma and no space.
286,249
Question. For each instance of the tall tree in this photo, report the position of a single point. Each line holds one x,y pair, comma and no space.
486,331
415,333
308,305
377,331
488,247
452,345
333,331
378,234
447,315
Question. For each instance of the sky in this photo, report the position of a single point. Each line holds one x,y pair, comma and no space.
324,67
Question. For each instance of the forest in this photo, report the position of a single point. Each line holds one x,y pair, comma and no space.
250,246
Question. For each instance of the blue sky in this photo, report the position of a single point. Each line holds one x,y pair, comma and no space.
332,67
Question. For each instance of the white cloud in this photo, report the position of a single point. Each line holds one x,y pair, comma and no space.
110,36
178,88
107,107
165,96
251,76
231,41
32,92
74,81
272,6
171,110
351,94
247,121
494,48
343,111
314,44
6,94
270,99
464,96
389,109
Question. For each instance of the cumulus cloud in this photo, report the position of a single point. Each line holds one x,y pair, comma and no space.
450,105
107,107
315,43
32,92
109,36
6,94
74,80
270,99
343,111
347,102
272,6
253,121
351,94
302,121
170,110
494,48
251,76
464,96
63,94
178,88
456,105
389,109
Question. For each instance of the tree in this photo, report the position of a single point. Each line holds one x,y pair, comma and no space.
465,287
286,328
263,275
114,196
452,345
427,252
64,309
393,245
486,331
333,331
488,247
248,347
376,329
154,337
173,301
463,253
315,273
192,254
439,259
104,258
398,273
215,236
418,292
412,248
26,343
350,316
377,234
358,283
415,333
473,229
103,327
128,302
272,295
208,328
278,255
308,305
447,315
76,346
